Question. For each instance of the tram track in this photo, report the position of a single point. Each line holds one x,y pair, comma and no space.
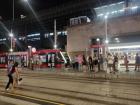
94,97
123,83
115,83
82,79
35,89
88,78
76,95
28,98
66,94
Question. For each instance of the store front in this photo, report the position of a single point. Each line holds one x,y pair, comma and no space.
125,48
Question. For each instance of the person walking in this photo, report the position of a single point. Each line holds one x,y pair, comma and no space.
9,68
13,76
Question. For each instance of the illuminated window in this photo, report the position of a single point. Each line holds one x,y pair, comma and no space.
32,35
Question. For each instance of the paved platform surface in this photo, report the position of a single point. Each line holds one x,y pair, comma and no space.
121,74
68,87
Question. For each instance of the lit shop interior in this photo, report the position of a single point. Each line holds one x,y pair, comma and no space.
120,45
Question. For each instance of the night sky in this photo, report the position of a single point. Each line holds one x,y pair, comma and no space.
22,8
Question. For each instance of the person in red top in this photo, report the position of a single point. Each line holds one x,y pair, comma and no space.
13,76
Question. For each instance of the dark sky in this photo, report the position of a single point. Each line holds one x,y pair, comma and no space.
22,8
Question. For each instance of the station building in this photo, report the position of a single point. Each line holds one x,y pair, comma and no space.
116,26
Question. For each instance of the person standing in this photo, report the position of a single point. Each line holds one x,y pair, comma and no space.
80,60
84,64
50,62
13,76
110,63
126,62
96,64
137,62
76,63
115,63
101,61
90,61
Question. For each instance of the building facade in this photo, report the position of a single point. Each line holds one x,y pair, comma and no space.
114,28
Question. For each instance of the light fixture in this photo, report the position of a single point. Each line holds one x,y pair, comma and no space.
25,0
100,15
119,47
11,50
106,16
55,46
97,39
11,34
122,10
116,38
106,41
135,7
29,46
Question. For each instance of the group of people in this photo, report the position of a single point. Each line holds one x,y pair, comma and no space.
13,75
109,63
113,62
80,62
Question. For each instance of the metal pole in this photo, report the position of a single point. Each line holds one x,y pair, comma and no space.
98,56
106,29
11,43
13,6
55,35
106,35
13,10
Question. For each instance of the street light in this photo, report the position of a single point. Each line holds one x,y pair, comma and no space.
106,29
11,35
106,41
30,50
98,41
55,46
29,57
11,50
106,33
55,35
